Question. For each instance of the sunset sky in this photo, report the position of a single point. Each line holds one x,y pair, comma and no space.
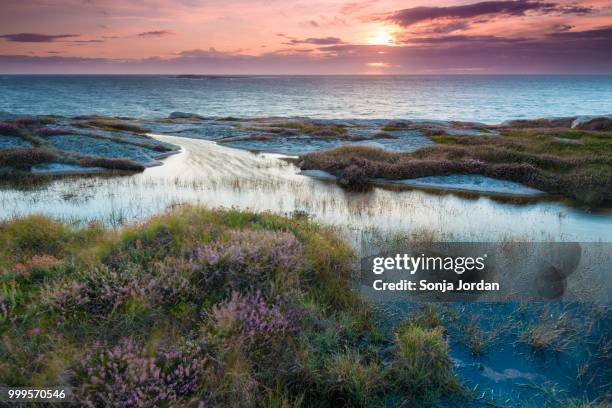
305,36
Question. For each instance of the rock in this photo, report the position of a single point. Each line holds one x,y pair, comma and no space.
398,125
7,116
383,135
540,123
185,115
593,123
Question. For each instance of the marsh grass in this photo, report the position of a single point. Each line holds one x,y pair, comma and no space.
18,161
111,163
112,124
294,128
233,308
24,158
580,169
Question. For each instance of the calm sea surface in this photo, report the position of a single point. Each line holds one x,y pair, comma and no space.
489,99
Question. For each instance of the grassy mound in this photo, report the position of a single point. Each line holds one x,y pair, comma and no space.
25,158
575,164
294,128
112,124
226,307
111,163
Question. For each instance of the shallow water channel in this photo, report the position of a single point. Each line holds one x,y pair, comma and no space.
217,176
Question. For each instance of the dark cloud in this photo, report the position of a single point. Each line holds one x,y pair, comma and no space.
313,41
87,41
35,38
155,33
562,27
463,39
449,28
596,35
410,16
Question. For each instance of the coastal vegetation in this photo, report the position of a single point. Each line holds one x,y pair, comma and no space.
51,144
296,127
569,162
217,307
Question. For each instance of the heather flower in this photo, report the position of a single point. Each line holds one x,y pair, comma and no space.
249,259
249,321
64,297
123,376
101,290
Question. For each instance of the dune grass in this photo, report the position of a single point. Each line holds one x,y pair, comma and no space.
575,164
226,307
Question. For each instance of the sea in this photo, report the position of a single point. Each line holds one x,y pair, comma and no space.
480,98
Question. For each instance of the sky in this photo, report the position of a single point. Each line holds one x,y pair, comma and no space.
306,37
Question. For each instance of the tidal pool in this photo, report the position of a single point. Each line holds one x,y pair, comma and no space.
217,176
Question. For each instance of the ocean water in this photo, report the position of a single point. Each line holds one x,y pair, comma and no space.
488,99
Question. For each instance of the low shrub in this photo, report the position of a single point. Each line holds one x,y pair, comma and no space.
353,176
113,124
124,376
251,324
46,131
599,124
112,164
9,129
161,148
25,158
265,260
225,307
395,125
384,135
581,170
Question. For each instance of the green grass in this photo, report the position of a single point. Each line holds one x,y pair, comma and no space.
422,366
198,284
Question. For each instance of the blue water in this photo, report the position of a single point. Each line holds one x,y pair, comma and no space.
489,99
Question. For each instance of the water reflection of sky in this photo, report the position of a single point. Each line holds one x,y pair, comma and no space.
217,176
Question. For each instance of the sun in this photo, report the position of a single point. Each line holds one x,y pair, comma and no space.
383,37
